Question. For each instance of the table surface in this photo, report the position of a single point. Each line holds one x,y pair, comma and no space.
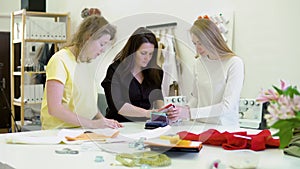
25,156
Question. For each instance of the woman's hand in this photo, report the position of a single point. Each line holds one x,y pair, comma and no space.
106,123
173,114
179,112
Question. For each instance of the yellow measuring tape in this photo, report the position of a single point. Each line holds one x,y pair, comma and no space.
150,158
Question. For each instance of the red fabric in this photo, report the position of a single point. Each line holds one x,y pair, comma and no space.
228,141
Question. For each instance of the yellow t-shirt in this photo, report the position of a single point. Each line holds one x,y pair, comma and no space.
80,95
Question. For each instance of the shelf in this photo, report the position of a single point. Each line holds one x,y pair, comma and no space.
19,51
20,73
16,102
39,14
27,103
39,40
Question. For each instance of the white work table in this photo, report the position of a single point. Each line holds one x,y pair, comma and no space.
28,156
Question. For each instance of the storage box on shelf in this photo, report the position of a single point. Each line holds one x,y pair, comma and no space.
29,30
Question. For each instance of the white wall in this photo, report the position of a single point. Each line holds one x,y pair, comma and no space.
266,36
6,7
266,32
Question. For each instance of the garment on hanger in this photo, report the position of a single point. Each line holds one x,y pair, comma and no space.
169,65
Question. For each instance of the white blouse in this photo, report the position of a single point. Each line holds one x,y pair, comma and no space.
216,90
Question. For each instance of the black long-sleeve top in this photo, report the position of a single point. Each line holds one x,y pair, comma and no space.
121,88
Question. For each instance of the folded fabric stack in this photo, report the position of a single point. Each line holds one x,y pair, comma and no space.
233,140
294,147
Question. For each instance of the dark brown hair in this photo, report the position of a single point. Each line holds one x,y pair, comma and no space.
142,35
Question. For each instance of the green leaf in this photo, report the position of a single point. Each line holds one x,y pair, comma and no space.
285,132
296,91
285,136
298,114
281,124
286,126
279,91
291,91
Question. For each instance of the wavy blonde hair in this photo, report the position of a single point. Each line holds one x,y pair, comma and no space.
93,27
211,38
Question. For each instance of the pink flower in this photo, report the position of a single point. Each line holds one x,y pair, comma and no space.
284,110
296,103
284,102
262,99
279,110
273,116
269,95
283,85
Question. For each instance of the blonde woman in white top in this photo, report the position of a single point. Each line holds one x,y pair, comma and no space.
218,78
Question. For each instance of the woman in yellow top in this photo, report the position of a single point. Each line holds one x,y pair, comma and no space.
70,98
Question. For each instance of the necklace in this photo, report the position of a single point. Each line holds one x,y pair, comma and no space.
137,159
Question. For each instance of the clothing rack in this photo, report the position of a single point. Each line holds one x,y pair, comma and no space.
169,29
161,25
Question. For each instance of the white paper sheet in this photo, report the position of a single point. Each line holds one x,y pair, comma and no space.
56,139
148,133
32,140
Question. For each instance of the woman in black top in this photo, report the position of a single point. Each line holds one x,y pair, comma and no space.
133,81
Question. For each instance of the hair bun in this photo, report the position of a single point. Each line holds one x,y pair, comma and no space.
90,11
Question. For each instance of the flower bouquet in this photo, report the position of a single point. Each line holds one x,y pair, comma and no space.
284,110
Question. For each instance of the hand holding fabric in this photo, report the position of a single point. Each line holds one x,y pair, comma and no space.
178,113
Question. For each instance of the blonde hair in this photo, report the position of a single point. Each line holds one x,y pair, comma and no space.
211,38
93,27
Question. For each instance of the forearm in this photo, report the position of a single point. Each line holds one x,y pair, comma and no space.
205,112
219,109
134,111
68,116
99,115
